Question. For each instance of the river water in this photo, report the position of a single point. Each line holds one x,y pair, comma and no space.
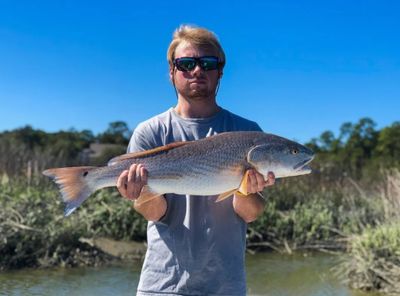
267,274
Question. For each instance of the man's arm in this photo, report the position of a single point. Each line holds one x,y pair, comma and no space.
251,206
130,184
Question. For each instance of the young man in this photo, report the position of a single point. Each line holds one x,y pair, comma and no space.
195,245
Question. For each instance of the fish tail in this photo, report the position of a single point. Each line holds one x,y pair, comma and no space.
74,184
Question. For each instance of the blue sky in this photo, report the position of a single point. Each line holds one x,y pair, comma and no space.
298,68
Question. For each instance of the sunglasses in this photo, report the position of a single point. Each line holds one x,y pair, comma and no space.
187,64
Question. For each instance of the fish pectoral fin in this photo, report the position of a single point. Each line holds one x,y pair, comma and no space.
146,195
243,185
225,195
242,190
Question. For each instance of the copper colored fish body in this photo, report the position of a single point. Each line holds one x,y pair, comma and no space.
215,165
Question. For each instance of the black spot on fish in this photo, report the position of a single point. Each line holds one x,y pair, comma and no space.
85,174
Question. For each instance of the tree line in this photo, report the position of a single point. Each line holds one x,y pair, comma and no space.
359,150
28,151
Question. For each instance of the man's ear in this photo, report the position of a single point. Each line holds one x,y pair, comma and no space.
220,73
171,74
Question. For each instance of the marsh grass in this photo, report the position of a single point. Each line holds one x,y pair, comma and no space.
373,260
313,214
34,232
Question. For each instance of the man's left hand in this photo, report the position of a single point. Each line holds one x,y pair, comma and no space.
256,181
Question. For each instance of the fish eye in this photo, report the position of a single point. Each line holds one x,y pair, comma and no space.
294,151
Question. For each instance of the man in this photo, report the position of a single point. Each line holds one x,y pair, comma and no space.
195,245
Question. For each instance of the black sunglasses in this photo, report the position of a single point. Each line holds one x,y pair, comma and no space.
187,64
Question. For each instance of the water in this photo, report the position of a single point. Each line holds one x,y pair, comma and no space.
267,274
295,275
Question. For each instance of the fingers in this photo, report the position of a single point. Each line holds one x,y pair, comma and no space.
121,183
256,181
131,182
270,179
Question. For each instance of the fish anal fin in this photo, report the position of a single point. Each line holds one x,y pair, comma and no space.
146,152
225,195
146,195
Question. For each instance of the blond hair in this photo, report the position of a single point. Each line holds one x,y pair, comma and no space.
196,36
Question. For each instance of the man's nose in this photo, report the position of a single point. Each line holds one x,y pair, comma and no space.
197,70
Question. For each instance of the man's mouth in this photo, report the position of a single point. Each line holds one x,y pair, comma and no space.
198,81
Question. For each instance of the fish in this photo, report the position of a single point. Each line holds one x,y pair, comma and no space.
215,165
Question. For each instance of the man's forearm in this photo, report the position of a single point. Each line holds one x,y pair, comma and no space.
152,210
248,207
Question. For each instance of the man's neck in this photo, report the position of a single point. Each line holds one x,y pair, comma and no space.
196,108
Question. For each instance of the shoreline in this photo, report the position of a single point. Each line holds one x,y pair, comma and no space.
101,251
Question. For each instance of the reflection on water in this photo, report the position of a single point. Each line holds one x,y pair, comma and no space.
274,274
116,280
267,274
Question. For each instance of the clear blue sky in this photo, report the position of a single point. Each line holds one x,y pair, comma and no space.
298,68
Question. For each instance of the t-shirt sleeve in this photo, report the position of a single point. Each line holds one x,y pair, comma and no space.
237,123
256,127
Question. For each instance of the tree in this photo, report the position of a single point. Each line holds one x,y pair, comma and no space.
388,145
359,146
117,132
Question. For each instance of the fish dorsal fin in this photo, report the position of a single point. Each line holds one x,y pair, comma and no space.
146,152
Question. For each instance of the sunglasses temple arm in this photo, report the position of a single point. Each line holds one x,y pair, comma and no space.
217,88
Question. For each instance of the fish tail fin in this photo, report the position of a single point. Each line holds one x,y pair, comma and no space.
74,184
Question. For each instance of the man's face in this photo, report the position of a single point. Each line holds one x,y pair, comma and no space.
198,83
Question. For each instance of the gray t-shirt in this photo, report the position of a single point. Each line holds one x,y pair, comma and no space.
198,247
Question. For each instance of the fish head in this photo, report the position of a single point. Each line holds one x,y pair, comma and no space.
281,156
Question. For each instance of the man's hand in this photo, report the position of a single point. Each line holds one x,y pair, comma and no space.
251,206
256,181
131,182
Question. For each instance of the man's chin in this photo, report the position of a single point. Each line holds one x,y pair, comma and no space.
199,94
199,97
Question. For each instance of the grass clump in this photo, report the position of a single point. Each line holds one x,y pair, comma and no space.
374,259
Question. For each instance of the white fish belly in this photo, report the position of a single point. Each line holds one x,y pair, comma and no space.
211,184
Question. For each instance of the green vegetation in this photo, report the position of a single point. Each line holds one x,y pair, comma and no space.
34,231
350,203
374,262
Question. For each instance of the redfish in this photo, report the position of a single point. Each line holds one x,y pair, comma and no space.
215,165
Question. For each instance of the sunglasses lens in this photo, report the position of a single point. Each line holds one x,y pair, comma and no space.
209,63
185,64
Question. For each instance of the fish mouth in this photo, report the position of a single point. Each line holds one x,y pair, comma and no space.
303,164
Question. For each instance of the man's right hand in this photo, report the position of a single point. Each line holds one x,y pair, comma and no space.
131,182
